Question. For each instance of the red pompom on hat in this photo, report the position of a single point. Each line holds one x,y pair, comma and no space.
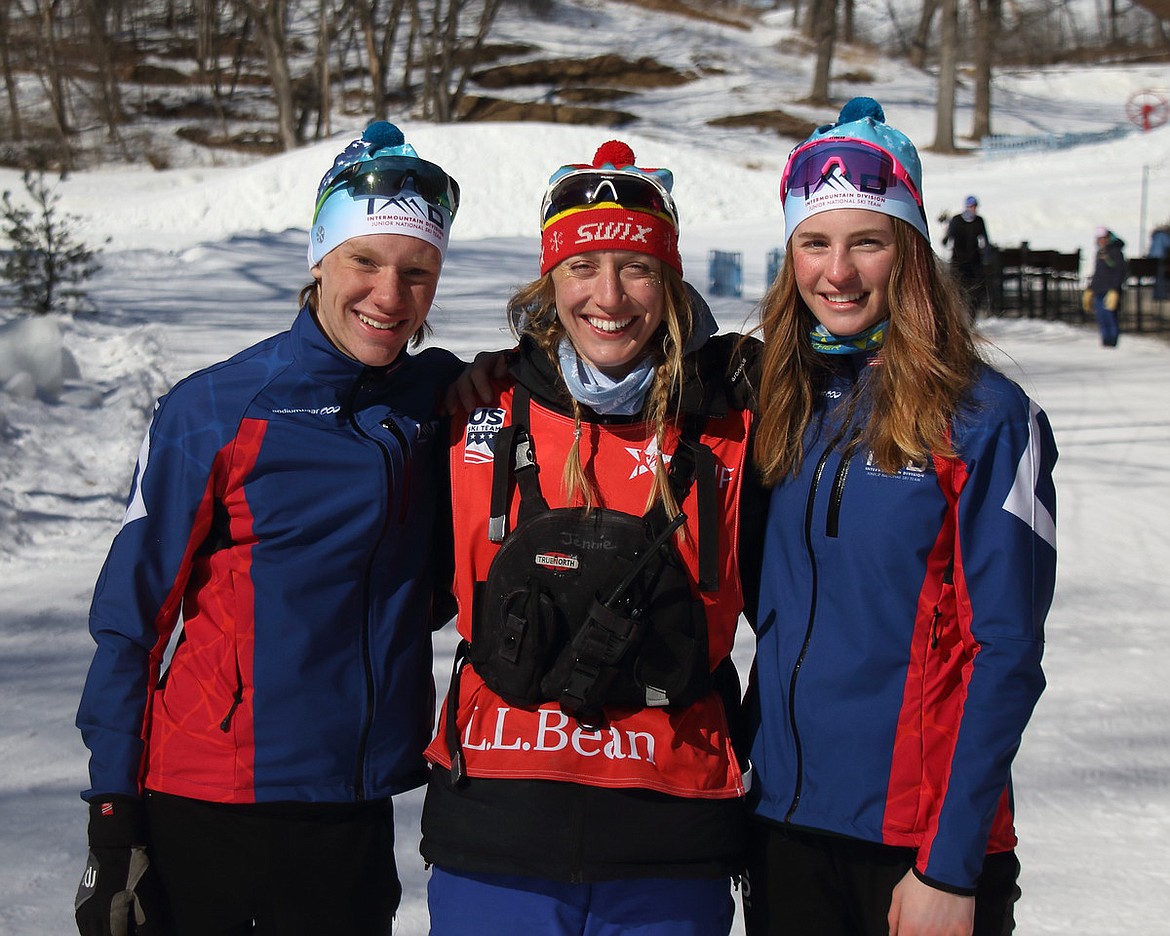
609,204
615,153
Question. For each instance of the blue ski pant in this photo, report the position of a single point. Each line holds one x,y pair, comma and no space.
1106,322
504,905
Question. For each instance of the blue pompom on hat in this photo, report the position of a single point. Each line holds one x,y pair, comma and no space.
380,138
339,214
862,119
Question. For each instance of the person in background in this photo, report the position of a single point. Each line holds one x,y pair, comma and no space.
583,778
908,564
967,236
1160,251
1103,296
262,681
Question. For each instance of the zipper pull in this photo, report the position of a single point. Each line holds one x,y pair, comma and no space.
237,699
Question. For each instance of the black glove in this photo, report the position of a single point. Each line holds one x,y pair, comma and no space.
120,894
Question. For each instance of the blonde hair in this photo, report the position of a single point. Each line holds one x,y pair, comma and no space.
532,313
927,363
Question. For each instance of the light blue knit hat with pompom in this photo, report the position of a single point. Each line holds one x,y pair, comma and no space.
862,119
343,211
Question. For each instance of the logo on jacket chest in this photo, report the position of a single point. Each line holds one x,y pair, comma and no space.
905,473
484,425
646,459
479,440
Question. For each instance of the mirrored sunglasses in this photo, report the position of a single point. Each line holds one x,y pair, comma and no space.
590,186
387,176
865,166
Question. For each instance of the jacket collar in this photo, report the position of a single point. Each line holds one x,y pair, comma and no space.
320,358
705,382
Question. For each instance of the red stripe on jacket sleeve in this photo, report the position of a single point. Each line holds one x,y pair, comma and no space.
942,657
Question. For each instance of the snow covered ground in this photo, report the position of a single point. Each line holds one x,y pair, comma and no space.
203,262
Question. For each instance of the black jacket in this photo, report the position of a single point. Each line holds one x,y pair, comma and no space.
1110,270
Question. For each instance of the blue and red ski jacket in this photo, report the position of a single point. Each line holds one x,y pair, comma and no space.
900,632
263,617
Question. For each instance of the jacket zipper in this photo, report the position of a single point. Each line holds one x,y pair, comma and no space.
833,520
812,612
404,499
948,579
359,786
837,495
237,700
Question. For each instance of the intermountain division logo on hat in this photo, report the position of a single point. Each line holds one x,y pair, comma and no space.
373,187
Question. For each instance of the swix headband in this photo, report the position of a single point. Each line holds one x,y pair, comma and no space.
609,204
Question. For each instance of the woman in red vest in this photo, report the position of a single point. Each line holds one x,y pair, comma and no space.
583,778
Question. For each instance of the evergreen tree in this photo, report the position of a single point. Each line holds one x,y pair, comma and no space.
45,266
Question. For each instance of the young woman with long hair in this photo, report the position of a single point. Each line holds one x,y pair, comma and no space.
907,568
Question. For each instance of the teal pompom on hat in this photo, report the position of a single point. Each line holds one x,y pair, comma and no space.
863,118
378,184
858,162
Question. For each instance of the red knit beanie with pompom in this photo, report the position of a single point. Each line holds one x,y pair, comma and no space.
609,204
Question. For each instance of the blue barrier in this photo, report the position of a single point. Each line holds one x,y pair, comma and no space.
775,260
725,273
1006,145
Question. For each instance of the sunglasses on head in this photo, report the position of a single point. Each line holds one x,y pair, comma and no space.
865,166
590,186
390,175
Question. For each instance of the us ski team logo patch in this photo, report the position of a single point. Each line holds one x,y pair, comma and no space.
479,441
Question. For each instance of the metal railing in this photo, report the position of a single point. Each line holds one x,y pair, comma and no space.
1025,282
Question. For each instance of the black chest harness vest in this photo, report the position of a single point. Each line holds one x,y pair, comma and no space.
589,606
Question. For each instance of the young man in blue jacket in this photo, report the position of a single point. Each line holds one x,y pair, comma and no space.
262,680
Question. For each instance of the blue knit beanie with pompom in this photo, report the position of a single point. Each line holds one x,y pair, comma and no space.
343,211
828,180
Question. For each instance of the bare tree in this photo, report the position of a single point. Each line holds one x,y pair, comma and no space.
796,14
7,50
379,48
108,94
313,93
324,35
210,29
271,23
847,22
920,43
948,55
447,55
987,17
823,25
51,74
